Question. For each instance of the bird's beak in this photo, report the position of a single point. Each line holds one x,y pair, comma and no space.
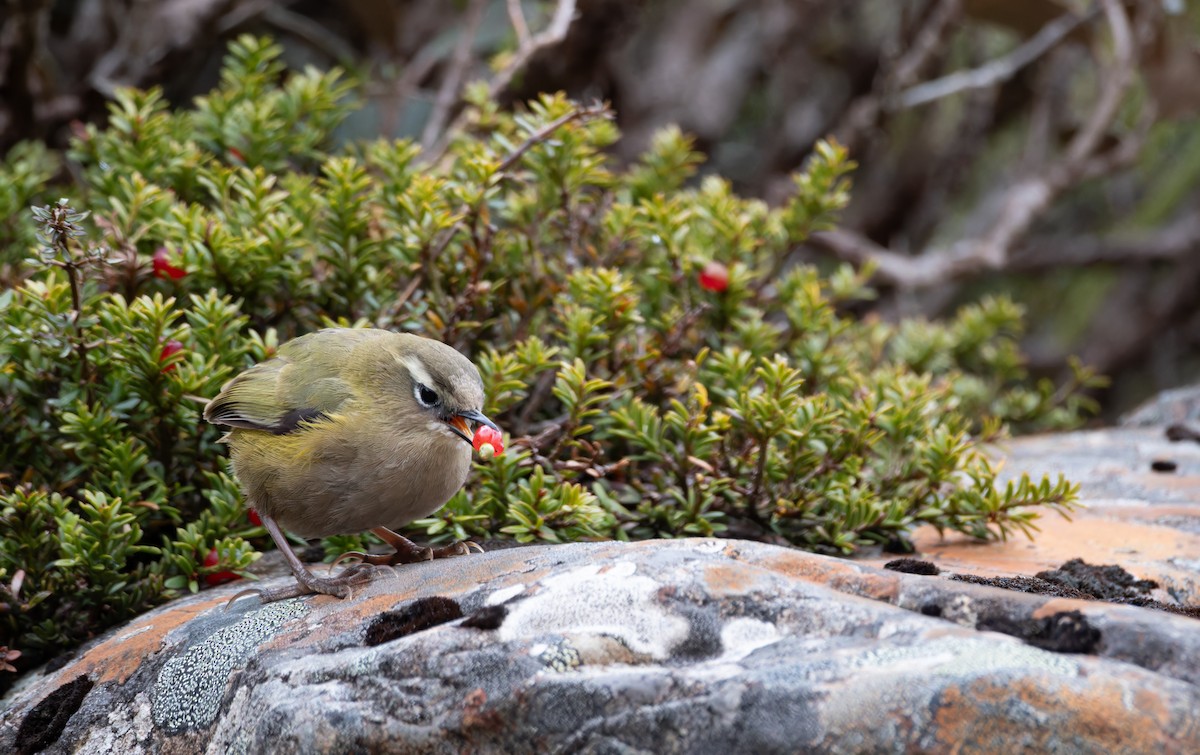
458,423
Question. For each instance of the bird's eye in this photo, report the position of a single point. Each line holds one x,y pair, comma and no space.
426,396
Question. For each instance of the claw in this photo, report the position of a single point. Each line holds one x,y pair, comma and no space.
470,545
242,594
388,568
348,554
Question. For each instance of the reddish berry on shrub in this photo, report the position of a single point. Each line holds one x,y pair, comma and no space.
163,267
212,559
714,277
169,349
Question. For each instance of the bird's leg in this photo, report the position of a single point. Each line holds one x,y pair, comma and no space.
408,552
306,582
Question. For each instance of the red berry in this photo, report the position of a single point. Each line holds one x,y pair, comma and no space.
237,155
714,277
169,349
212,559
255,519
488,442
163,267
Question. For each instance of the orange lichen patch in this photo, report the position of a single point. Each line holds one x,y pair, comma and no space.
115,659
729,578
1149,513
1143,549
1089,713
839,575
1054,606
1187,483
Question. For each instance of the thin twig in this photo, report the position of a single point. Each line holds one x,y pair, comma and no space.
589,112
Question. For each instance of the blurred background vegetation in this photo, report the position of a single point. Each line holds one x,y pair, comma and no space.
1043,148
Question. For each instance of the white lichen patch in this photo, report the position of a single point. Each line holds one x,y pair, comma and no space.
966,657
190,686
128,730
616,603
742,636
504,594
135,632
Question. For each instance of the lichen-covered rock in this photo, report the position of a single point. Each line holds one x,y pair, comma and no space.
669,646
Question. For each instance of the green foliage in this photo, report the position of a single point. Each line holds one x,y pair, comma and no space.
638,402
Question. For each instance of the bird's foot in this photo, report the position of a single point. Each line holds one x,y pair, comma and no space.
407,552
341,586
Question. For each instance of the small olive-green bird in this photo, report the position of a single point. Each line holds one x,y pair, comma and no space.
348,430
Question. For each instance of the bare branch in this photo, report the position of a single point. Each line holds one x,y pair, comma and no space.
461,60
1022,203
994,72
312,33
517,16
1116,81
556,32
1178,240
926,44
864,112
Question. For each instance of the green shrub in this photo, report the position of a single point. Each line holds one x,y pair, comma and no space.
642,400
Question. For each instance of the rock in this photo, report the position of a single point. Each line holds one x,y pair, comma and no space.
1173,407
690,646
1146,521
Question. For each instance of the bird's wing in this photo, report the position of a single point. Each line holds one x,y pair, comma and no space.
304,382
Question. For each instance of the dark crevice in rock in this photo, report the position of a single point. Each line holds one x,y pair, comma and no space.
489,617
58,661
899,544
416,616
1176,433
45,723
704,634
1066,632
913,566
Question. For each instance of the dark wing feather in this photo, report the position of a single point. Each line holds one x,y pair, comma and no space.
303,383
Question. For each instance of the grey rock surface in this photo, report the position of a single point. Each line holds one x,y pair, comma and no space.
693,646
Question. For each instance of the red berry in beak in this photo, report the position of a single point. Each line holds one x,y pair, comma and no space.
488,442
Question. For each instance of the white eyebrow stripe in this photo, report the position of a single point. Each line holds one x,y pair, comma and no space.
417,370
